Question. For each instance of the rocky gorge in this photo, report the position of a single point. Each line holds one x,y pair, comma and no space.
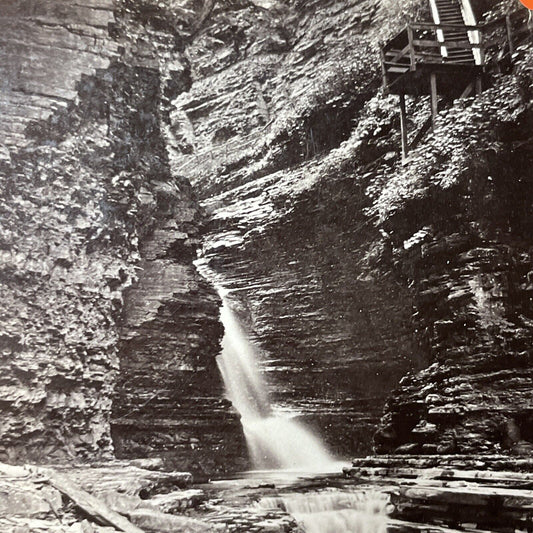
390,300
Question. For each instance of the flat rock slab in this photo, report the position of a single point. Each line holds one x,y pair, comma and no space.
158,522
104,499
125,478
435,490
471,495
179,500
461,462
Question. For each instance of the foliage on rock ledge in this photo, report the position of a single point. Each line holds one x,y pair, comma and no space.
460,148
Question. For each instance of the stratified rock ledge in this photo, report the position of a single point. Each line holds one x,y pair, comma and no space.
470,493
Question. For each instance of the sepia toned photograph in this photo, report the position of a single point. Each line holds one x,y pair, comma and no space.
266,266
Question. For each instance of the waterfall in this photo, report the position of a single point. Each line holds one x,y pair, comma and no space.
274,442
280,443
335,511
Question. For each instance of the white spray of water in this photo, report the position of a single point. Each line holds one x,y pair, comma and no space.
278,443
335,511
274,442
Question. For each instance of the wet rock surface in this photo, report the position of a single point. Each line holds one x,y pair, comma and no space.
96,499
394,494
486,492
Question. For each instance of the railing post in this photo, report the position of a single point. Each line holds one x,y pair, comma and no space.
383,66
481,47
411,47
509,34
479,85
434,100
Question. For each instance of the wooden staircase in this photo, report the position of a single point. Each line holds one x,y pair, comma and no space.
447,58
449,12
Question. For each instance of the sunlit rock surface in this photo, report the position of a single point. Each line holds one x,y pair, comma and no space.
46,47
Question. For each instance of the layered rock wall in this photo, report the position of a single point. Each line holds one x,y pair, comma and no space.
351,267
98,238
61,273
277,88
470,265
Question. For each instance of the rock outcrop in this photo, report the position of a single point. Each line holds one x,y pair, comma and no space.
62,269
98,238
460,236
113,496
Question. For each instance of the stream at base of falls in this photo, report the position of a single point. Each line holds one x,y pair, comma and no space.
292,493
289,494
287,502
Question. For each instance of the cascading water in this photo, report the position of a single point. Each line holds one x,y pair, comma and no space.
334,511
274,442
280,443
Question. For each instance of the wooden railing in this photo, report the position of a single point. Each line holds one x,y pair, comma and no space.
424,42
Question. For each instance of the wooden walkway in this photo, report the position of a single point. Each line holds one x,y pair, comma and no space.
446,57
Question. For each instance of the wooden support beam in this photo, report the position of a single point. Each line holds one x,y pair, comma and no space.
420,133
400,53
468,91
433,26
452,45
411,47
383,68
434,99
403,127
481,51
479,85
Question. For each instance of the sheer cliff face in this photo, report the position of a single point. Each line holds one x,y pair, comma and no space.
351,268
98,238
62,271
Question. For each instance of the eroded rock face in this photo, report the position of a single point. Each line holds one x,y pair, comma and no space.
47,47
349,265
62,267
98,239
277,88
469,262
350,269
